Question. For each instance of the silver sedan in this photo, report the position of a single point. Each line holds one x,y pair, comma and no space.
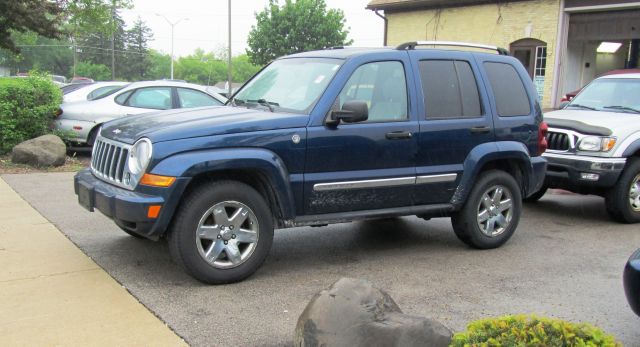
80,121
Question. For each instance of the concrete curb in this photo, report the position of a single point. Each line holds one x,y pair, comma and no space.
53,294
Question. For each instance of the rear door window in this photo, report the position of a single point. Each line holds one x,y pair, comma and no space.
450,89
508,89
157,98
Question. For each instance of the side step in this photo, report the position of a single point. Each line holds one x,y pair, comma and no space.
438,210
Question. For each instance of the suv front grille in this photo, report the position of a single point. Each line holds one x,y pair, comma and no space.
558,141
109,159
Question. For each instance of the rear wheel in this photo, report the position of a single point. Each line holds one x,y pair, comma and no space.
491,213
222,232
623,200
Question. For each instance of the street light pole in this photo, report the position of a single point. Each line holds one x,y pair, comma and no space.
172,24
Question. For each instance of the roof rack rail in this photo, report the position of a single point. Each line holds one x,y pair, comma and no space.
414,44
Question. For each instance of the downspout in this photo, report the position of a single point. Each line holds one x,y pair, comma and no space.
386,24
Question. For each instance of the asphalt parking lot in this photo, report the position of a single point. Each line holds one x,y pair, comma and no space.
565,261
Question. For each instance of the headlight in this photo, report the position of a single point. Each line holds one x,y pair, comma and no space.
139,156
597,144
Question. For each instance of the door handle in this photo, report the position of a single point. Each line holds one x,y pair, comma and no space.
398,135
480,130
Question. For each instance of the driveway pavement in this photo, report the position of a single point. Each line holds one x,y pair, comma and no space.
565,261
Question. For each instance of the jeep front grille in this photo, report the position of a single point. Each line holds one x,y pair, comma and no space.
558,141
109,159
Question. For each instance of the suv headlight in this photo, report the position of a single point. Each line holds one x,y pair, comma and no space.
140,156
597,143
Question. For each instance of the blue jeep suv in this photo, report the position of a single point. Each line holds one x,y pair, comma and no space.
325,137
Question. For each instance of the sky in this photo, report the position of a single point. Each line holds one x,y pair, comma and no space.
204,23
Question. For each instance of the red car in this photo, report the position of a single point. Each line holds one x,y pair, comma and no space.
569,96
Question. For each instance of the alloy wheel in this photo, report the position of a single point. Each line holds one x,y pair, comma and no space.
227,234
495,211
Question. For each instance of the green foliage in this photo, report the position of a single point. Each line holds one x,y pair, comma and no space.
27,107
41,17
242,68
524,331
297,26
159,65
93,16
208,69
97,72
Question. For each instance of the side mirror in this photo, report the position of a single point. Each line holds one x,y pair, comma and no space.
352,112
563,104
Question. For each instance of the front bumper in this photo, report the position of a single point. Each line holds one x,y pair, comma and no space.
631,281
577,172
74,130
129,209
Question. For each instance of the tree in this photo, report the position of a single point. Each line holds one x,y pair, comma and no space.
39,16
97,72
297,26
137,51
159,65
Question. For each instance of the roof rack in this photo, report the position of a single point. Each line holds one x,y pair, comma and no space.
414,44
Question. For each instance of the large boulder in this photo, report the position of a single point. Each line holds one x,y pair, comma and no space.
47,150
353,312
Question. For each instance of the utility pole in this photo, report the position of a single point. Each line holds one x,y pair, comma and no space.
113,38
229,77
172,24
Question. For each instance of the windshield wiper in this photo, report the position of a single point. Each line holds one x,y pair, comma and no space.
236,102
624,108
582,106
267,104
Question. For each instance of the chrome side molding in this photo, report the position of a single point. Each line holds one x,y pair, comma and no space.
385,182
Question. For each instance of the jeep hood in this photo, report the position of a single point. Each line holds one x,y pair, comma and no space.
197,122
592,122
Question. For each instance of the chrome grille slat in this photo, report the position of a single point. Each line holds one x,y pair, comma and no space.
118,173
109,161
558,141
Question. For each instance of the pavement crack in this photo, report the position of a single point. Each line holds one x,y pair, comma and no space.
49,275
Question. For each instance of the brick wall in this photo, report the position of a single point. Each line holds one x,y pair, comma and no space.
490,24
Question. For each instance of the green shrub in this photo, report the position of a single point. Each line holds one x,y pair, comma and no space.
534,331
27,107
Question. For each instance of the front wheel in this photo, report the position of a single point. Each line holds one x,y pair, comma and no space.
491,213
623,200
222,232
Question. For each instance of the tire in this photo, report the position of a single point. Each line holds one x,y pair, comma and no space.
232,256
537,195
91,139
619,198
467,222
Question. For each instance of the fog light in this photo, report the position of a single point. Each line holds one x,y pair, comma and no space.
589,176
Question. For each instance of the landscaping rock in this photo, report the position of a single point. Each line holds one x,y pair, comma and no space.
353,312
47,150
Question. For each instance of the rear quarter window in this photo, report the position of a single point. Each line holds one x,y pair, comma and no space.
508,90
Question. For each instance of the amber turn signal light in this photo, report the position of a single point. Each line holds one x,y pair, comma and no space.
154,211
157,180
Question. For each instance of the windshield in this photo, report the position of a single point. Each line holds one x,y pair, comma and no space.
288,85
610,94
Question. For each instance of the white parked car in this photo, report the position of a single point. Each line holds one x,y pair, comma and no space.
93,91
594,145
80,121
